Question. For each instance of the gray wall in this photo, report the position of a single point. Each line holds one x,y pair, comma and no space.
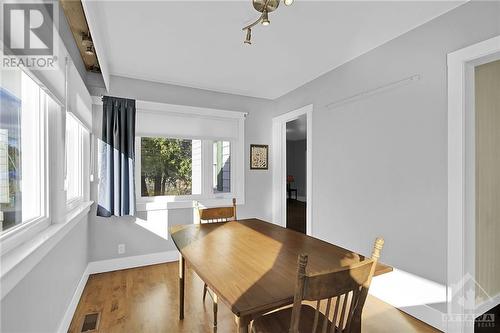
296,163
106,234
39,302
380,164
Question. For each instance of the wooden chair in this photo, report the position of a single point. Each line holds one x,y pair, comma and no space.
212,215
345,291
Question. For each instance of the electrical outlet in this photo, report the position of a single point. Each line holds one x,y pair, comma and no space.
121,248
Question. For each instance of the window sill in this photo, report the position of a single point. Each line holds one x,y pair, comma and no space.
20,260
145,206
74,204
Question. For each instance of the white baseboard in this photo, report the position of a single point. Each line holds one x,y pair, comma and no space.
487,305
427,314
102,266
68,315
411,294
131,262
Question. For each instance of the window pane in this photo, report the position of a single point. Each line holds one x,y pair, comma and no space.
170,167
74,159
222,167
23,106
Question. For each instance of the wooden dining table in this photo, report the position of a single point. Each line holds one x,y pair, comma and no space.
251,265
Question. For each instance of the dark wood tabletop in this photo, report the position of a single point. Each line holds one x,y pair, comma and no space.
251,264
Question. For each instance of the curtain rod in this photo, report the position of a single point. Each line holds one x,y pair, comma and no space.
371,92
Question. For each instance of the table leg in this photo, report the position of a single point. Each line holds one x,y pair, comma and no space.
182,273
242,324
216,300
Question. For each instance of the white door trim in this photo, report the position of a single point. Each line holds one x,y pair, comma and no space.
279,163
461,176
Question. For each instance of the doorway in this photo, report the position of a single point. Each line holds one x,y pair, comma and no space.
487,191
474,187
296,174
292,166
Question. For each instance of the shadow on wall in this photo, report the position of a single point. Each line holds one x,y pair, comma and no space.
145,233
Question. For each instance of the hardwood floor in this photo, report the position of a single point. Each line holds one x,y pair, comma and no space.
296,215
145,299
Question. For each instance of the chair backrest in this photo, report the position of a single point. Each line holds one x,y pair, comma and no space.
344,290
217,214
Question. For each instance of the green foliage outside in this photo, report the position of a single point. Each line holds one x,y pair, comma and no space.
166,166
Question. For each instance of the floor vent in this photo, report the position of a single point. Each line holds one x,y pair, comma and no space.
91,322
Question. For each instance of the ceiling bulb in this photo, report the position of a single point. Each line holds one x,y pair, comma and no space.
265,18
89,51
287,2
248,40
86,40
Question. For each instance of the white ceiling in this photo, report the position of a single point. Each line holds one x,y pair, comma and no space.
200,44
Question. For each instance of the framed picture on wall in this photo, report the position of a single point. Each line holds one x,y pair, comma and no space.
259,155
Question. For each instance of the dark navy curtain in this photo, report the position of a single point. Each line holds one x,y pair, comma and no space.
117,151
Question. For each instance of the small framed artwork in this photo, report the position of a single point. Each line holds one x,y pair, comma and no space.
259,156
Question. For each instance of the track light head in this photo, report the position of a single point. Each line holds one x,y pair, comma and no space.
248,39
265,18
288,2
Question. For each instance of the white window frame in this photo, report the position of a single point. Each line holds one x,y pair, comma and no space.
75,202
207,197
230,194
162,198
26,230
207,192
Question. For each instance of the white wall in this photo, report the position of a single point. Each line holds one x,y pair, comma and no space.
148,232
38,303
379,164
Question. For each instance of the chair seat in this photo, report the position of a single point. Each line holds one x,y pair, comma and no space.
279,321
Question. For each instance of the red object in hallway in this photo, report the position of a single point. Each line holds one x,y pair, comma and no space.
290,179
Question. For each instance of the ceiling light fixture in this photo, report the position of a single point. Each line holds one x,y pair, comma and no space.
265,7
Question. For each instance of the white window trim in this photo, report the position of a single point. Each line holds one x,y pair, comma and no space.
207,198
28,229
74,203
14,241
222,195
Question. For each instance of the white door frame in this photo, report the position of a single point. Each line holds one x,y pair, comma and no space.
461,177
279,166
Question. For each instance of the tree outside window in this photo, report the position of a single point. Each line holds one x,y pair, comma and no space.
166,166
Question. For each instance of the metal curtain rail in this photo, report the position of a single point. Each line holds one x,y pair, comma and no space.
371,92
